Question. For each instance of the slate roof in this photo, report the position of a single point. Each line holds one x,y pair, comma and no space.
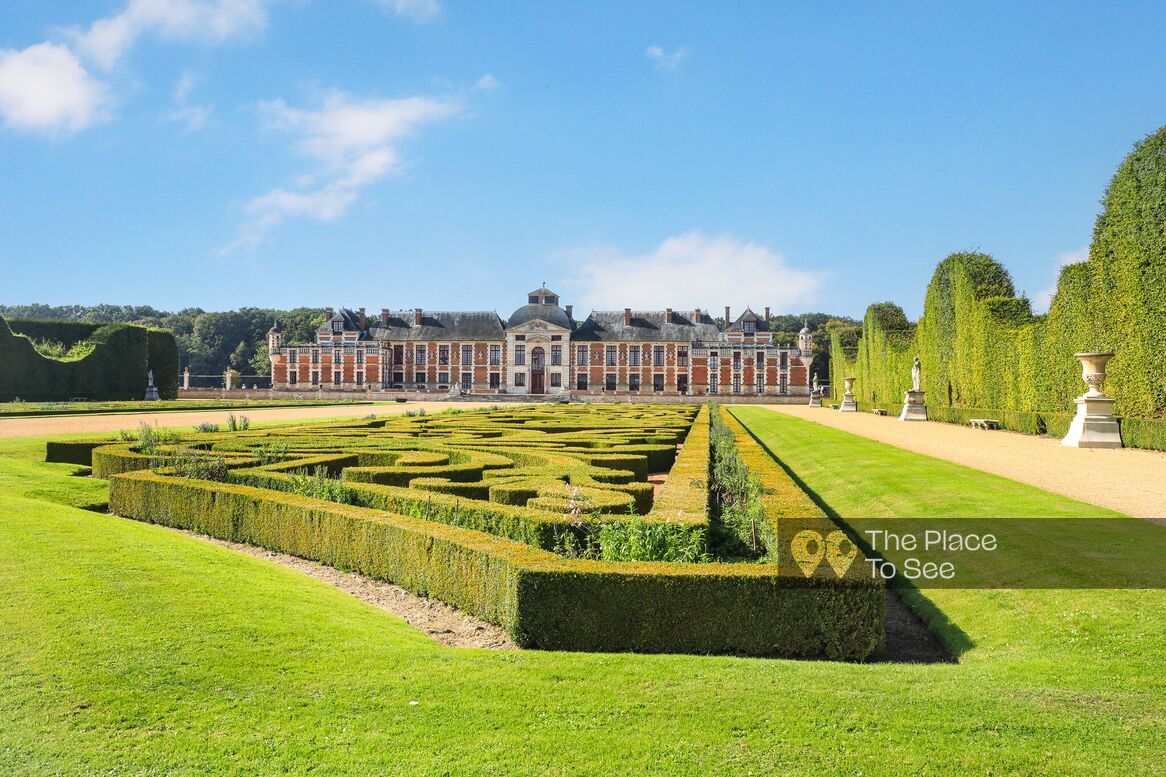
552,314
646,326
541,291
749,315
349,319
439,325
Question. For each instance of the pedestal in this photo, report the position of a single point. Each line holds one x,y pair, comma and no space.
1094,425
152,394
914,408
815,399
848,404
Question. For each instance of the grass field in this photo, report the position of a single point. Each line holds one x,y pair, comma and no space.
131,648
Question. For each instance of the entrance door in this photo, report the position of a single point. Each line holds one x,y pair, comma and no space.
538,371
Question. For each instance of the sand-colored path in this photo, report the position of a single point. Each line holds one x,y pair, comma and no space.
33,427
1129,480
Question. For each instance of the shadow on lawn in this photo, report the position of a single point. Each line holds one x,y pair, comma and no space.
917,630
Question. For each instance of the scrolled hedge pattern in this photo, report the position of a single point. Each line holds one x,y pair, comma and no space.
479,530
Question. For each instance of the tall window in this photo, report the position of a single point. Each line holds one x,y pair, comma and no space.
736,360
658,382
315,377
557,379
581,381
609,382
682,384
337,356
495,355
784,359
419,378
760,382
443,355
556,355
419,355
467,381
495,381
336,377
633,357
736,383
291,356
714,384
633,382
658,357
315,356
581,356
467,355
520,379
761,358
398,354
360,378
293,377
611,356
442,379
520,354
682,356
360,356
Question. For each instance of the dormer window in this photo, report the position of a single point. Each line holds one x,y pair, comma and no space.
533,300
337,327
749,327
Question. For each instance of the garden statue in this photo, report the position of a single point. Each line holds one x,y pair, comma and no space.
151,389
914,407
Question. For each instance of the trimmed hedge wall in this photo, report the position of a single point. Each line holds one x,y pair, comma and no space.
114,370
981,346
541,599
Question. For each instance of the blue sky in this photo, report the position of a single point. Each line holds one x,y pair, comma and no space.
402,153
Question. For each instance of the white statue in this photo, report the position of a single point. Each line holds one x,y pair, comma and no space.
815,386
150,378
916,374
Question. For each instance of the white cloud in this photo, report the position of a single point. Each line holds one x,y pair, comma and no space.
691,270
45,88
353,143
664,60
1044,298
194,117
486,83
184,86
420,11
215,21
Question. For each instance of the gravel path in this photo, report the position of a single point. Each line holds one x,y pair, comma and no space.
35,427
1128,480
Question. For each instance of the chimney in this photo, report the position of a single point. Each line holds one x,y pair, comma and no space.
569,309
767,314
668,315
696,316
727,319
384,317
363,320
328,312
627,316
416,316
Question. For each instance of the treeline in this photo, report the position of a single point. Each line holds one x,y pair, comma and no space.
208,342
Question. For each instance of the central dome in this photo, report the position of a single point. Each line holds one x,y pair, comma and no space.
552,314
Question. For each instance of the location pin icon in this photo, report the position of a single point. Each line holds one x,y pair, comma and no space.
839,558
799,548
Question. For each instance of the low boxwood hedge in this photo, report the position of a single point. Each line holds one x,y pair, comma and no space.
540,598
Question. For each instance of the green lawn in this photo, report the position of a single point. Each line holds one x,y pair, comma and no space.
131,648
856,477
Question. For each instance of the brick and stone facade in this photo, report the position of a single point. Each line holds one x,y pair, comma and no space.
541,349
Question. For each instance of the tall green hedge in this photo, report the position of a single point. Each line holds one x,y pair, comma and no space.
115,369
981,346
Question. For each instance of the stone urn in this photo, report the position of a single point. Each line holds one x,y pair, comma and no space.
848,404
1094,425
1093,371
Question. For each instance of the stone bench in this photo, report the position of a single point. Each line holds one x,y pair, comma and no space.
984,423
879,411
